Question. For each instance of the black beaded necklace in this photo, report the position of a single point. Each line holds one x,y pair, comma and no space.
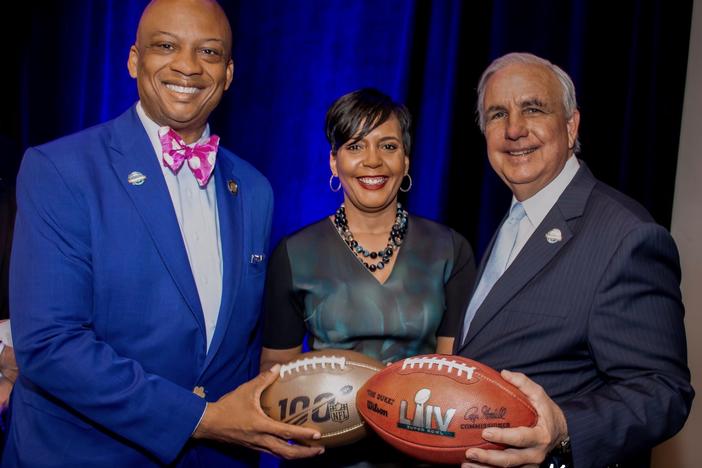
397,235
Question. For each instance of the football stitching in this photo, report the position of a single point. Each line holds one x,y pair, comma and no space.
322,361
440,363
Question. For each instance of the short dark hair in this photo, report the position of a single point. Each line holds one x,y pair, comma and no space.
356,114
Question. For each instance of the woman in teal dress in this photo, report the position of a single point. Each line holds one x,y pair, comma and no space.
371,277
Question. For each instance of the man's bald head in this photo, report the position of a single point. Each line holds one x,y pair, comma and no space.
182,63
157,8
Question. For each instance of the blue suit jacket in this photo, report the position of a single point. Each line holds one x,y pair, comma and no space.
106,318
597,320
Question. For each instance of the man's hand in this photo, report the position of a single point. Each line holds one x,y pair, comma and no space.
237,418
527,445
8,364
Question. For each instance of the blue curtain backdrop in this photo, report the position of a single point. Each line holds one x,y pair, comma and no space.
293,58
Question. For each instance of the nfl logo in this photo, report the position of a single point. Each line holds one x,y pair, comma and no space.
339,412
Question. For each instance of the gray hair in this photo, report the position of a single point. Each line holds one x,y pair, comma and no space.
570,105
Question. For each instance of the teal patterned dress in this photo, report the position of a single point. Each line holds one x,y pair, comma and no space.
317,288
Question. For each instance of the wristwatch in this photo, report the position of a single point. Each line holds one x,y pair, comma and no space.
560,456
564,445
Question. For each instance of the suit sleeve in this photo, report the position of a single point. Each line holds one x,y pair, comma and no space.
57,349
637,339
284,324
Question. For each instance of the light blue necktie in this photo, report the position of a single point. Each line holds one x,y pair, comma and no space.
497,263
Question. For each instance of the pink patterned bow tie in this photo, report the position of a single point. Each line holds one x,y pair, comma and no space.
200,157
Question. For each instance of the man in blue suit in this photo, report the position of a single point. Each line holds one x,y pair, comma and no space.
136,281
579,290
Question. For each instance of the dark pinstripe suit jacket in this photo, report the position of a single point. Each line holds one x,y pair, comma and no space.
597,320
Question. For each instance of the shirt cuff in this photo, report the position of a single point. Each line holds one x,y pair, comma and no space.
5,332
2,348
198,423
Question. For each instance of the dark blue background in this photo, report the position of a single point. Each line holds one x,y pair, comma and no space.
293,58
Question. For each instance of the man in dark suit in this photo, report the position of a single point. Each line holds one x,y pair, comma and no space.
137,273
579,290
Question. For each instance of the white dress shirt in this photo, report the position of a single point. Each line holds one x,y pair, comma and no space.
196,210
5,336
539,204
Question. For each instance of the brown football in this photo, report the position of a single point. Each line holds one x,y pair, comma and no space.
434,407
318,390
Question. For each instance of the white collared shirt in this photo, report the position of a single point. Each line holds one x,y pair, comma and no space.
5,336
538,205
196,210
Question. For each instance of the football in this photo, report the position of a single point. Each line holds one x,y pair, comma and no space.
318,390
433,407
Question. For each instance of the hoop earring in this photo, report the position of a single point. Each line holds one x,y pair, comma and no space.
410,184
331,183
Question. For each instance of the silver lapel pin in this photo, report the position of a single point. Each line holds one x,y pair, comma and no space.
136,178
553,236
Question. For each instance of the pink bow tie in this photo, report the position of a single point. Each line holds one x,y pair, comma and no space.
200,157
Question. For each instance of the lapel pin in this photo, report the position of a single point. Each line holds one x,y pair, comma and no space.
553,236
257,258
233,187
136,178
199,391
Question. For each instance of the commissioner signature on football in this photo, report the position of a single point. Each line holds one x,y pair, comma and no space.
473,414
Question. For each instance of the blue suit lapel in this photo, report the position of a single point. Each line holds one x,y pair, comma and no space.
132,151
537,252
231,228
